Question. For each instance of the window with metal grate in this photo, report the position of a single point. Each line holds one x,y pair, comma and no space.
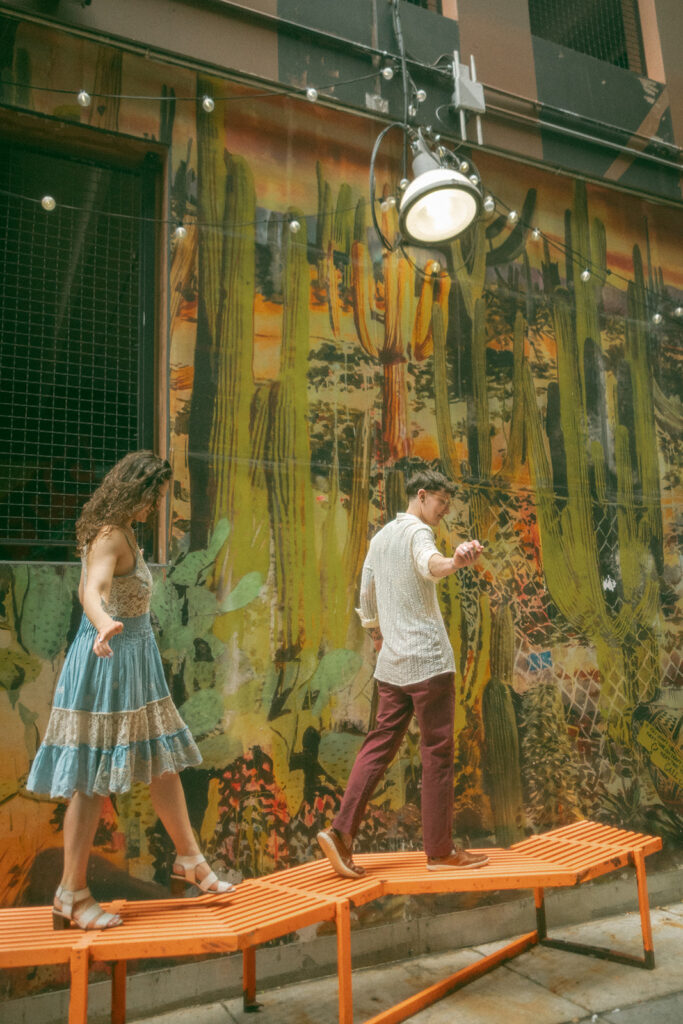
608,30
76,338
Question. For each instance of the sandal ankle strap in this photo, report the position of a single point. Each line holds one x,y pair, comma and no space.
190,862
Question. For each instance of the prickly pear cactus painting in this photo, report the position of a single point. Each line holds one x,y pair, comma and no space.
309,371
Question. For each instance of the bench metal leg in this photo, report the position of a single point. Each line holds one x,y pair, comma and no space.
78,997
118,992
343,922
249,1002
646,961
402,1011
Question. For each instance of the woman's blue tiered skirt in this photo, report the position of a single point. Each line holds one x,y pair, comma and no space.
113,721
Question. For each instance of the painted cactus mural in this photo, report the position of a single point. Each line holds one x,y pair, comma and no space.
306,380
622,629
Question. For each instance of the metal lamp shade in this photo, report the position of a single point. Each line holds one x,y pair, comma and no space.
438,206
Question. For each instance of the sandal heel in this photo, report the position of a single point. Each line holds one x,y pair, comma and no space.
59,922
177,886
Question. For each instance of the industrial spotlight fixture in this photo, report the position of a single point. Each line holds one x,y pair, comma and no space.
445,196
440,203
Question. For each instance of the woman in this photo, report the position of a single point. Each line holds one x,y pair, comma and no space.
113,721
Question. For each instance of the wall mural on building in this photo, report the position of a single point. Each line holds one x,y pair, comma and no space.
309,370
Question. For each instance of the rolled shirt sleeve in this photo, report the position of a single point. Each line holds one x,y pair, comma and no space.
368,597
423,547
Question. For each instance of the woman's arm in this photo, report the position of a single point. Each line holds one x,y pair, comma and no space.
104,555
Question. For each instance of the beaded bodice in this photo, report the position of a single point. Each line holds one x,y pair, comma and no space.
131,593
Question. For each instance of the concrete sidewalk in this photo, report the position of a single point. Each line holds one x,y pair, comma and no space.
543,986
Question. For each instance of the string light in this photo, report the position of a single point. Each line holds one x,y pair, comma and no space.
311,94
208,104
403,184
412,110
49,204
387,73
463,167
84,98
420,95
436,268
474,179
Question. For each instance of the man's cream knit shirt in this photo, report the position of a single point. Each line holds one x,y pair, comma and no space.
398,594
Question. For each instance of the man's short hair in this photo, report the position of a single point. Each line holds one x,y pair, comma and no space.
428,480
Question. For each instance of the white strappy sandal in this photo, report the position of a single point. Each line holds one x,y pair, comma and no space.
89,919
211,883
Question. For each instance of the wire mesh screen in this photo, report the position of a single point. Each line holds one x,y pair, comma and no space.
70,341
608,30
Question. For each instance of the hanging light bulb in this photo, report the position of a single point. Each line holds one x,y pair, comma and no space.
208,104
83,98
412,110
387,73
489,204
403,184
657,319
420,95
474,179
294,227
48,203
436,268
439,203
180,232
463,167
678,311
513,217
585,275
536,234
311,94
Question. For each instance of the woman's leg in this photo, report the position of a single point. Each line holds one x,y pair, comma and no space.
169,802
80,825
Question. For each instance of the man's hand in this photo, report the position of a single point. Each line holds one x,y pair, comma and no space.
467,553
376,637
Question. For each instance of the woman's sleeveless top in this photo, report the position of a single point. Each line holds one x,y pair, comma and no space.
131,593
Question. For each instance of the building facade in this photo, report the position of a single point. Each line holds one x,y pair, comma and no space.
190,264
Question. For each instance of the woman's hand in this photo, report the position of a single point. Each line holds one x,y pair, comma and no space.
101,646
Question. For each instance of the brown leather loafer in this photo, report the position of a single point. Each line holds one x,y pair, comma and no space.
338,854
457,859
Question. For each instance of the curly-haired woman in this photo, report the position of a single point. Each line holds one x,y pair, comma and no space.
113,721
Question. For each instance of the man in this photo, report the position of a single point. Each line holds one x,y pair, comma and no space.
414,672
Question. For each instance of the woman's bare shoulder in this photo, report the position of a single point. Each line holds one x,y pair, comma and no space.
109,540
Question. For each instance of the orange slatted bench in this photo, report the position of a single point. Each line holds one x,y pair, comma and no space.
268,908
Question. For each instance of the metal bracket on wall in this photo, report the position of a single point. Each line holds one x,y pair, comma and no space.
468,95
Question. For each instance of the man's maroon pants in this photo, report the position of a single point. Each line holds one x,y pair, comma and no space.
433,703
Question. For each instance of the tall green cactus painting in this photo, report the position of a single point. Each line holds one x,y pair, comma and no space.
590,476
